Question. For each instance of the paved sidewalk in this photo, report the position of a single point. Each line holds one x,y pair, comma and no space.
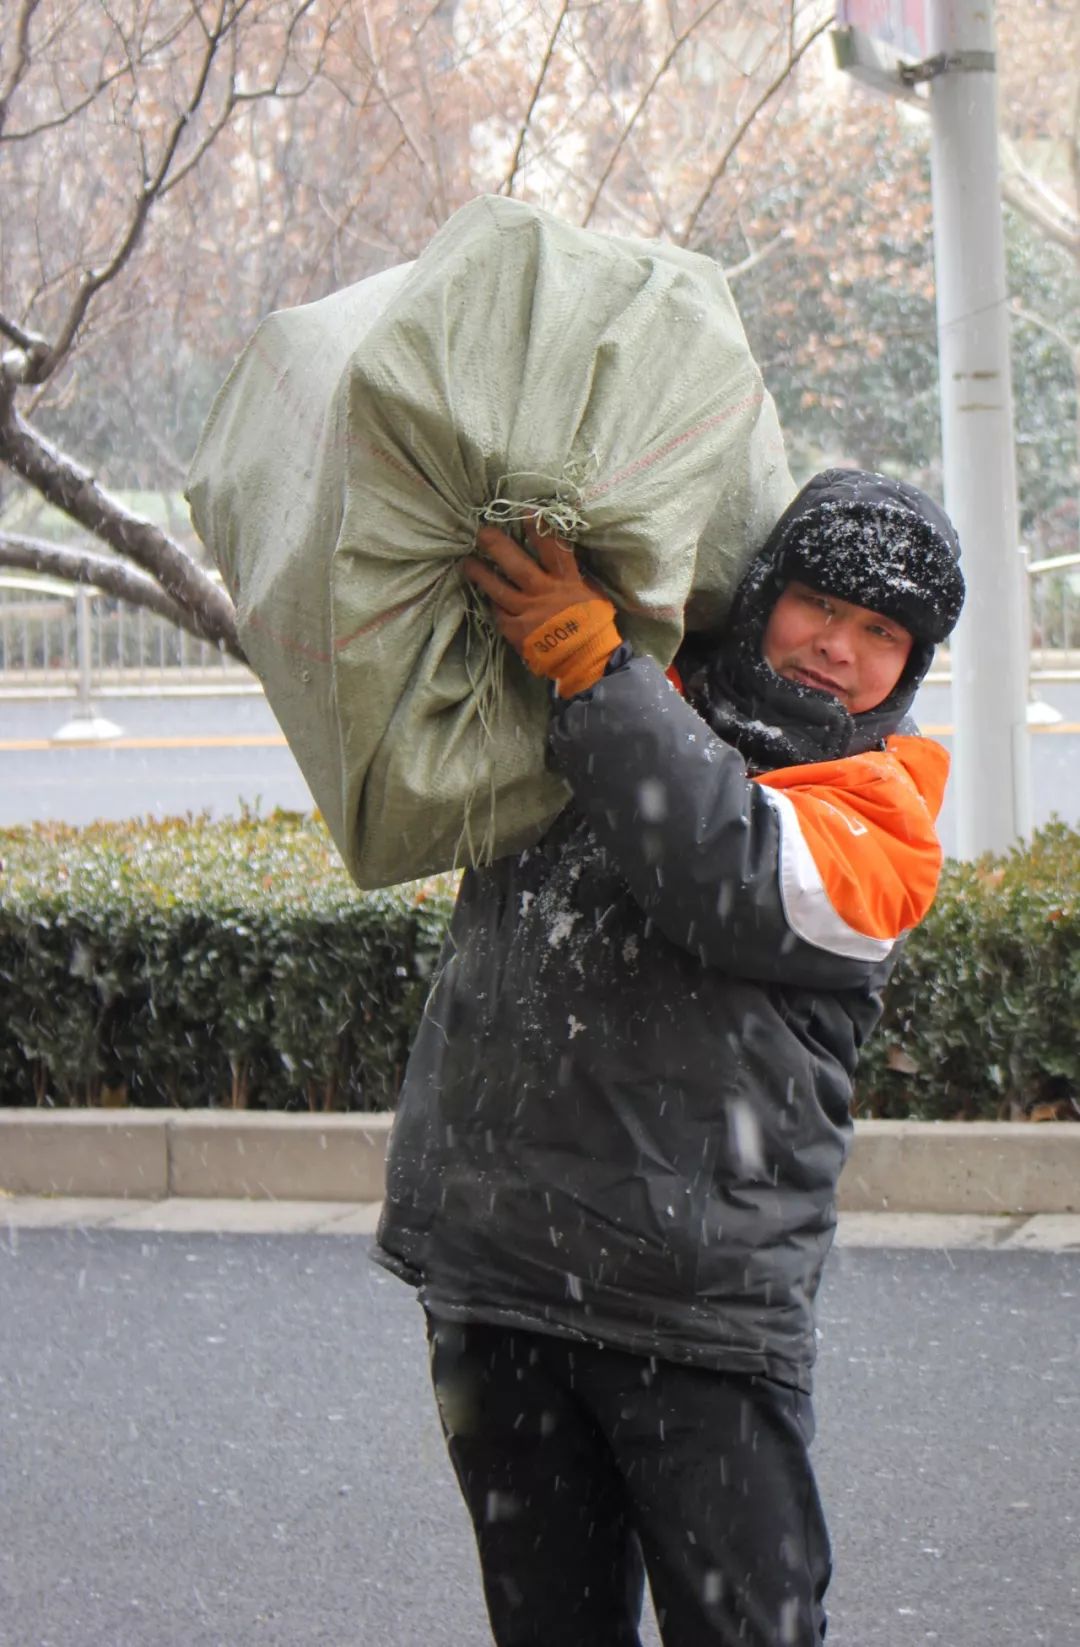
1047,1232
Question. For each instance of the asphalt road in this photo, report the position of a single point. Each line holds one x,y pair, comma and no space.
230,1442
216,754
177,755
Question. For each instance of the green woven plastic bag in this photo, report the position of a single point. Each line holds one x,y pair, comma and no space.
359,441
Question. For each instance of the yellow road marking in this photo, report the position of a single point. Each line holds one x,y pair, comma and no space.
199,740
1038,731
275,740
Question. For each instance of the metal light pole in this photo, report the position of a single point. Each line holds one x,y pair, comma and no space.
990,647
86,725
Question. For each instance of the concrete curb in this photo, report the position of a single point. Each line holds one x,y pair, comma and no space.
188,1215
210,1154
976,1168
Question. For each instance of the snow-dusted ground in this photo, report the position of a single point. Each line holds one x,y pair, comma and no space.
212,1440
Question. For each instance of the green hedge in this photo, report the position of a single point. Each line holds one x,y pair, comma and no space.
193,963
197,963
982,1016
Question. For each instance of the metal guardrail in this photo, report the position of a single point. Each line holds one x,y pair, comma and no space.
55,637
1054,603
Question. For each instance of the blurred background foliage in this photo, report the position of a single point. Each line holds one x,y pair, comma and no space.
330,140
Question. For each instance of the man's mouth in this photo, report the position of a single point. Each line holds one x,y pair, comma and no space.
821,683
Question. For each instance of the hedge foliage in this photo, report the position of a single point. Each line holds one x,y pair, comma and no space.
982,1015
195,963
192,963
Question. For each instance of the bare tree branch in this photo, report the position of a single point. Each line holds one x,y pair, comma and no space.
753,260
662,68
275,87
73,489
29,342
393,107
340,224
1048,327
54,122
599,88
106,78
114,577
21,65
1037,202
230,103
746,122
38,368
507,184
236,98
442,193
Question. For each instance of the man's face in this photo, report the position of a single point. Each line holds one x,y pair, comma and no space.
821,641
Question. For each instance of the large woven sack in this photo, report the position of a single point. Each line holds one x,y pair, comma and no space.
359,441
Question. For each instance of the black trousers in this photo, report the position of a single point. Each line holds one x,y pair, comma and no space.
584,1469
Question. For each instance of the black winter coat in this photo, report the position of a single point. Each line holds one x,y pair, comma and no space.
626,1110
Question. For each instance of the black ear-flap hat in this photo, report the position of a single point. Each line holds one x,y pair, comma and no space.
878,543
867,539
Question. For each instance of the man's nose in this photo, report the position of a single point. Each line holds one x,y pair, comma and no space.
836,640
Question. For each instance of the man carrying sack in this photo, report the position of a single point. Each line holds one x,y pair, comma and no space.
613,1171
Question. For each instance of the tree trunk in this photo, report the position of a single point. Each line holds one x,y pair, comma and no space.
72,489
104,572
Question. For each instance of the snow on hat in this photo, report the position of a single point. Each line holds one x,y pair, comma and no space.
878,543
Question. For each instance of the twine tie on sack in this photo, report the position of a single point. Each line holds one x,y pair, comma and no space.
557,511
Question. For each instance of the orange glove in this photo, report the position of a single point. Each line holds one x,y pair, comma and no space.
559,623
572,648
